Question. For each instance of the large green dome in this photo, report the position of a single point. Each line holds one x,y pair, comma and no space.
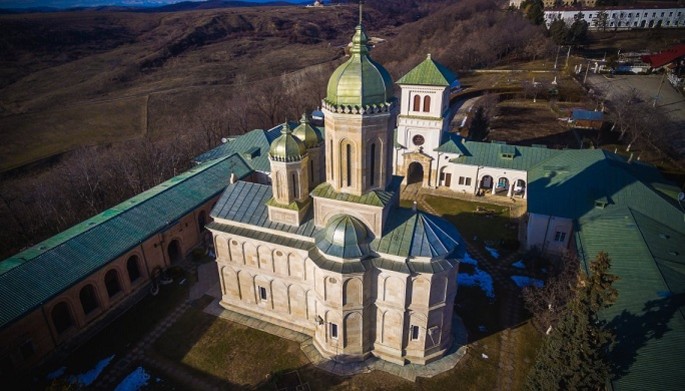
287,148
360,81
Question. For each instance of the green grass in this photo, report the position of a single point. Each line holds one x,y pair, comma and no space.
488,224
228,351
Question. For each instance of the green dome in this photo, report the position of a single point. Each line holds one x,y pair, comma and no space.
360,81
305,132
287,148
345,237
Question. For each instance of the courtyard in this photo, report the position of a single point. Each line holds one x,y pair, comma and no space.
189,342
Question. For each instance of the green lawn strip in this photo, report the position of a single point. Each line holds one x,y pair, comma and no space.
487,223
528,341
228,351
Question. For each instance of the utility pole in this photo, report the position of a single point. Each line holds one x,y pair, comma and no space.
557,57
659,92
586,71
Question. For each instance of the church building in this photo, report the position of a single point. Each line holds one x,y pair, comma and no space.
325,249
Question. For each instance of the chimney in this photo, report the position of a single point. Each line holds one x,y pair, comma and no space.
233,179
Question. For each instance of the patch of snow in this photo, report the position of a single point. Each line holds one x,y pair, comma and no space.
86,379
524,281
480,279
519,264
134,381
56,373
485,356
468,259
494,253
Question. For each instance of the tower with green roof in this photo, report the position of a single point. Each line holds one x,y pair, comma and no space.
423,120
290,178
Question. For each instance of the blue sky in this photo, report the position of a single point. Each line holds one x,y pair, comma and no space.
95,3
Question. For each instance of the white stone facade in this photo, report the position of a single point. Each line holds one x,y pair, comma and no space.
623,18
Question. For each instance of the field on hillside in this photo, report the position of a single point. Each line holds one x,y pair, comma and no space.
83,78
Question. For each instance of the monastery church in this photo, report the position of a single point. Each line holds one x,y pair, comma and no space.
325,248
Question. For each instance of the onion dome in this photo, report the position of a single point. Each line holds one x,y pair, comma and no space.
360,81
287,148
305,132
345,237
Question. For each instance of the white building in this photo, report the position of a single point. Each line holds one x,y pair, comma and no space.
620,18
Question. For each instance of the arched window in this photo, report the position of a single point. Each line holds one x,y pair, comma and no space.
372,165
89,301
112,282
348,164
426,103
132,264
61,317
417,103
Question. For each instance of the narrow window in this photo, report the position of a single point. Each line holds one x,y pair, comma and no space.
348,164
468,182
461,180
417,103
132,263
426,104
61,317
88,299
414,333
262,293
372,165
311,172
296,186
112,283
334,330
559,236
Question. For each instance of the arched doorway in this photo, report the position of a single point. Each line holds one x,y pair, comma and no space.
133,269
415,173
89,301
520,187
112,283
486,182
502,185
61,317
174,252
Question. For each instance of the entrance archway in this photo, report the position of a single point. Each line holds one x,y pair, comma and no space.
174,252
486,182
415,173
502,185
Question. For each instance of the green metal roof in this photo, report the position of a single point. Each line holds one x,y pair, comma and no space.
345,236
253,146
649,258
374,197
359,81
452,143
477,153
429,73
417,234
629,211
245,202
32,277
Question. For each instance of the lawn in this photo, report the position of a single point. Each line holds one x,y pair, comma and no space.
479,223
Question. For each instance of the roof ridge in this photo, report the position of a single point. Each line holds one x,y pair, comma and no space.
89,224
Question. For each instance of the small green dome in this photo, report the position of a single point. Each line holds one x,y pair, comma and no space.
287,148
305,132
345,237
360,81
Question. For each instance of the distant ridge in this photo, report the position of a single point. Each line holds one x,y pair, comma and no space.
181,6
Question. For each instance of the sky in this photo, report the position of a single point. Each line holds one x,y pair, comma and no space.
95,3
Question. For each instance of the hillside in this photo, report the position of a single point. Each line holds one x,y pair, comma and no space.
83,78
